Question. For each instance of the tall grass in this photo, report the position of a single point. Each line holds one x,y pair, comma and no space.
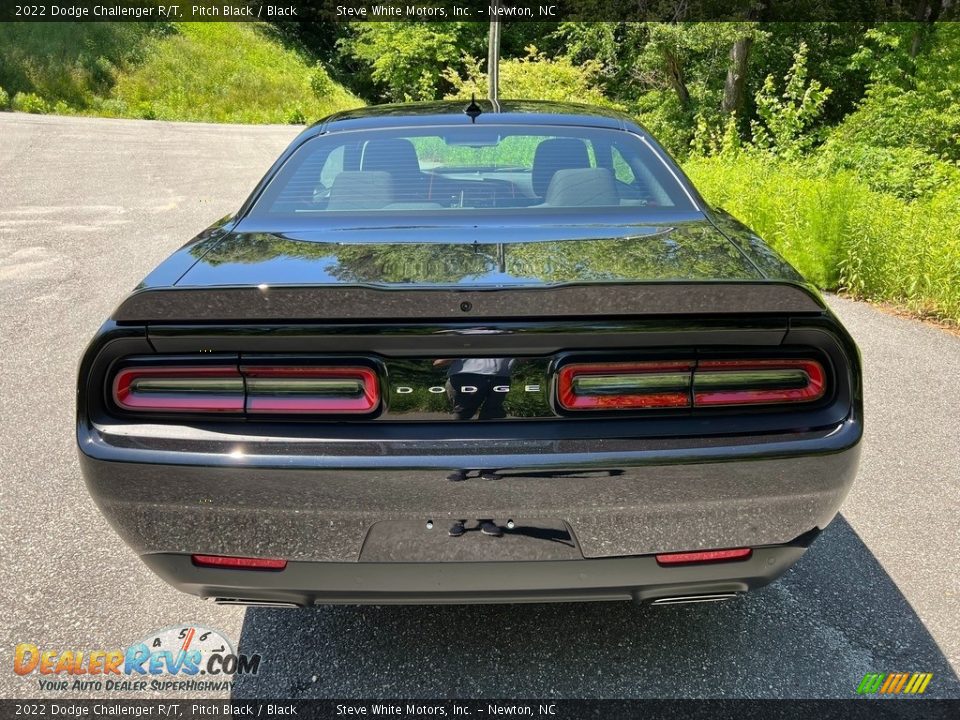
227,72
213,72
70,63
842,235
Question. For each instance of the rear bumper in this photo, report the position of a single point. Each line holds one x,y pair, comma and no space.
637,578
355,528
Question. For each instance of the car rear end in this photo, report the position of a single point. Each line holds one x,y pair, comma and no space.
503,357
658,456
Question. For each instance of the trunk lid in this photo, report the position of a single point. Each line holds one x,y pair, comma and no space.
554,271
487,258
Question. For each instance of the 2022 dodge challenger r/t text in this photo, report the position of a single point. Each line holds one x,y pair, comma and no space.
501,355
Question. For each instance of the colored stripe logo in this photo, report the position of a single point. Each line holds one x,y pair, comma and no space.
894,683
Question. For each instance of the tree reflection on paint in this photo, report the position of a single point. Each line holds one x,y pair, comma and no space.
692,252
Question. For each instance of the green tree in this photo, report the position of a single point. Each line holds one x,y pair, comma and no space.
535,76
407,60
784,118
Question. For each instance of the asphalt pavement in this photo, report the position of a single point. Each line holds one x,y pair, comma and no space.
89,206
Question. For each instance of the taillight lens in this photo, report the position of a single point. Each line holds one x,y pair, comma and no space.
689,384
311,390
253,389
238,563
704,556
179,389
752,382
616,386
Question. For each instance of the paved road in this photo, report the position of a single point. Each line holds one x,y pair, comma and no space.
87,207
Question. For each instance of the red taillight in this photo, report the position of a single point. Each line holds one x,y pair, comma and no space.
208,388
617,386
705,556
689,384
242,563
311,389
752,382
253,389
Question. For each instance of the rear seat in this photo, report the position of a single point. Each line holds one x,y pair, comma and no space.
361,190
582,187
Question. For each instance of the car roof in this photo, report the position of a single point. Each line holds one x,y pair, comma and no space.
506,112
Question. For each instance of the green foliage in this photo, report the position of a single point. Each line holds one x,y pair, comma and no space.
535,76
321,83
408,60
4,99
169,72
904,138
711,140
70,62
784,119
661,113
842,235
906,172
883,56
832,46
892,117
188,76
920,111
906,253
29,103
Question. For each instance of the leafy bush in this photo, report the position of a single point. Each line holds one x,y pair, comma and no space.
919,110
29,103
295,116
907,172
406,59
785,119
535,76
4,99
842,235
321,84
892,117
661,113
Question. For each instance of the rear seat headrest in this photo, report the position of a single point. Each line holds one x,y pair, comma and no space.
360,190
394,155
556,154
582,187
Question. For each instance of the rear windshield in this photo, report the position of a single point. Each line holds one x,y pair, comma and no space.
443,170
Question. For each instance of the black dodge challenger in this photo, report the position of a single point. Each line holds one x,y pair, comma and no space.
499,354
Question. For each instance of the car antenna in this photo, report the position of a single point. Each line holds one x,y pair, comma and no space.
473,110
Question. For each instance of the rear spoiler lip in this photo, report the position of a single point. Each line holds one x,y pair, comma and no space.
466,304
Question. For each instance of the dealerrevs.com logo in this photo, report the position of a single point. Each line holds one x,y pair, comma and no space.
182,657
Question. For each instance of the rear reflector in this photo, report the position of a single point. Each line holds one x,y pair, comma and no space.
616,386
688,383
253,389
205,388
751,382
311,389
707,556
243,563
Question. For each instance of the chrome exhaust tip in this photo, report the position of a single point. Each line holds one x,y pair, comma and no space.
688,599
254,603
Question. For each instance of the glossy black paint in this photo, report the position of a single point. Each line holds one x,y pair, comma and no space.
405,298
